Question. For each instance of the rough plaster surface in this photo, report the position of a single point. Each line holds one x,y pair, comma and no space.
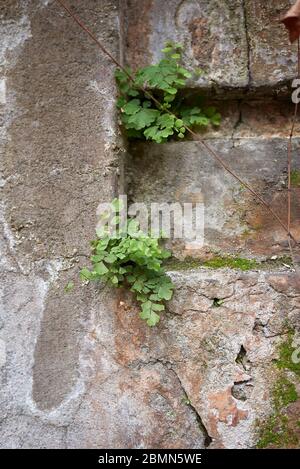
81,370
237,43
201,344
233,221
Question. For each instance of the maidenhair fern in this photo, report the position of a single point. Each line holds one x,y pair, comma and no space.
127,257
144,119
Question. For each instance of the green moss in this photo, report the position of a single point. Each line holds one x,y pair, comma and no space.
284,393
276,431
186,264
286,350
295,178
217,262
277,434
231,262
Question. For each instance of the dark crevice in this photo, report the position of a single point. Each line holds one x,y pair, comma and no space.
169,365
207,438
241,357
258,326
239,390
217,303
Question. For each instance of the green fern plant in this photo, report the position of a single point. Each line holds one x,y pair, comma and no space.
142,118
130,258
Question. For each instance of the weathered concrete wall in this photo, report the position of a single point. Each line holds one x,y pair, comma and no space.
233,220
248,63
237,43
80,370
59,159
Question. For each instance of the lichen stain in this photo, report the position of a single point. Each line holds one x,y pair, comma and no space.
202,41
266,234
138,30
224,409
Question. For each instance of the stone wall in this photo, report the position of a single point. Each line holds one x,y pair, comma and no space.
80,369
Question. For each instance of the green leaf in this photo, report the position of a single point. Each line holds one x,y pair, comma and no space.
167,49
180,82
216,119
117,205
98,257
121,76
143,118
154,297
69,287
179,123
169,98
146,310
199,120
166,133
102,245
133,228
137,286
114,280
100,268
154,133
131,278
121,102
85,274
210,111
171,90
151,132
157,307
132,92
110,258
165,121
149,315
184,72
165,292
153,319
132,107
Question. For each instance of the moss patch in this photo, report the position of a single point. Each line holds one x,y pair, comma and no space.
295,178
214,263
229,262
285,361
232,263
277,431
